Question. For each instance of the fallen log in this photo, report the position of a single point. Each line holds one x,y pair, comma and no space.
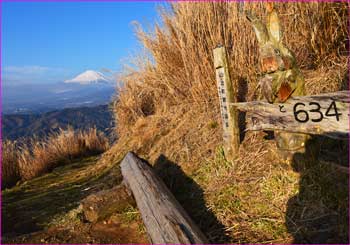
105,203
164,218
326,114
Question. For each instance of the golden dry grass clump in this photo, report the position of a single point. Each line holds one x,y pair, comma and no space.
169,107
10,171
177,68
176,73
28,160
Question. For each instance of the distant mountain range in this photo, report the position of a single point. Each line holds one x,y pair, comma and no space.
27,125
89,88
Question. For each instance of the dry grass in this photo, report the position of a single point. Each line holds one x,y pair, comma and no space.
177,69
169,106
10,171
28,160
178,65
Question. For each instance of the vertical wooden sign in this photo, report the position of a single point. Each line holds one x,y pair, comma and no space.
227,95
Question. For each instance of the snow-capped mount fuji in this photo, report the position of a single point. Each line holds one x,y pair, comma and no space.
91,77
89,88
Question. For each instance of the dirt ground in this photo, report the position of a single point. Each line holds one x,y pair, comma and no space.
47,209
113,230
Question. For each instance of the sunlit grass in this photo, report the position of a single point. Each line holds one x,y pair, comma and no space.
24,161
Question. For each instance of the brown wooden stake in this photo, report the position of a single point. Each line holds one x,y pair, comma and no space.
227,94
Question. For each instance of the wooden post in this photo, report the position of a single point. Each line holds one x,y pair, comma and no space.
164,218
227,94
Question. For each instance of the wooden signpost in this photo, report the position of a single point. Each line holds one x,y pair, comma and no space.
227,95
326,114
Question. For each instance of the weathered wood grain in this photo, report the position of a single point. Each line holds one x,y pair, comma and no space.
227,94
265,116
164,218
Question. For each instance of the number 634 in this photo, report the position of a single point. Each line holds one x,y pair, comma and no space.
316,110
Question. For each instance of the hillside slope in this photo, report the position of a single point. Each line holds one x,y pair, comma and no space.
168,113
15,126
52,213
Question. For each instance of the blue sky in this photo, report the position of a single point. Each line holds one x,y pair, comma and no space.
53,41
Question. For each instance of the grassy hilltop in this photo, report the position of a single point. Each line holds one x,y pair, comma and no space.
168,113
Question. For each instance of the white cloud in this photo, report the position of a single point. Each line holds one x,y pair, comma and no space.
33,74
29,69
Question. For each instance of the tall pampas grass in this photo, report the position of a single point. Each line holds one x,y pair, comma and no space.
177,66
28,160
169,107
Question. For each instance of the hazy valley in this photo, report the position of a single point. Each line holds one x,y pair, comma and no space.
15,126
89,88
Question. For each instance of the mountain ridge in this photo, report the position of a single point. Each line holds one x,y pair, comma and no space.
15,126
